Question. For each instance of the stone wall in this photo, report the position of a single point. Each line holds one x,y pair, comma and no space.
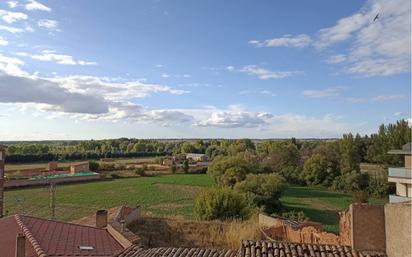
398,229
368,227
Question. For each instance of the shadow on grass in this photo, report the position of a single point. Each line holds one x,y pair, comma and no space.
329,218
311,192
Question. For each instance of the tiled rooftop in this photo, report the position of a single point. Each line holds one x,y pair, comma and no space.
137,251
284,249
52,238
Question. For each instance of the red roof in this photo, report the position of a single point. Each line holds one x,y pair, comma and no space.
53,238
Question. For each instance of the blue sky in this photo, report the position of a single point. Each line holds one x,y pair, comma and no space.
170,69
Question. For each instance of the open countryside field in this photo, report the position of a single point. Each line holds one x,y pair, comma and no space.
18,166
169,195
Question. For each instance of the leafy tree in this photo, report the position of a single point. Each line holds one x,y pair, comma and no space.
241,145
223,163
315,169
351,182
94,166
222,204
173,168
349,154
264,190
187,148
233,175
213,150
185,166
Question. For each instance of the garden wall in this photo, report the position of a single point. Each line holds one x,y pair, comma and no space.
42,182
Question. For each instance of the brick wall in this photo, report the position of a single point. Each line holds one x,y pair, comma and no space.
306,232
345,228
368,227
398,229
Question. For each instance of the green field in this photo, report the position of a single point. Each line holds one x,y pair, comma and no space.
318,204
168,195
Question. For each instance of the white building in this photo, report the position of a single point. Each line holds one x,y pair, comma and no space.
401,176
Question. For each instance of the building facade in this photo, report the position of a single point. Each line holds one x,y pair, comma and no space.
401,176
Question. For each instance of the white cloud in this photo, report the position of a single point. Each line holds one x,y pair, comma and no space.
53,56
3,41
286,40
33,5
376,48
11,66
35,90
262,92
264,74
48,24
165,75
338,58
12,4
11,17
296,125
235,117
398,114
328,92
11,29
86,97
382,98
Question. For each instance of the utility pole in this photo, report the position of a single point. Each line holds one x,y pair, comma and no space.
52,191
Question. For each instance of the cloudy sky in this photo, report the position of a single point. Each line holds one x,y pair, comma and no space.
182,68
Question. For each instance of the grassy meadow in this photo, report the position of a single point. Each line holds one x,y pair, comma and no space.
162,196
319,204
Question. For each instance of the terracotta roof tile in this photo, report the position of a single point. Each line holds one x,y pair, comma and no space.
285,249
53,238
138,251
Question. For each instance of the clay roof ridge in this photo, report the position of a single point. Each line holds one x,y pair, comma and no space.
62,222
36,246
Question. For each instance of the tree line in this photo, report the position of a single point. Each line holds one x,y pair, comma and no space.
255,175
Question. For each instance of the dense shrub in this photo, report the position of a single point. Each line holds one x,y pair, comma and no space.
360,197
263,190
351,182
140,171
222,204
294,215
94,166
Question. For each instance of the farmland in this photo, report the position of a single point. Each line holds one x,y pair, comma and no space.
162,196
123,161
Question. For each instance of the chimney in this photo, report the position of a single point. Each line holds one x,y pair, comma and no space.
101,219
122,225
20,245
2,159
